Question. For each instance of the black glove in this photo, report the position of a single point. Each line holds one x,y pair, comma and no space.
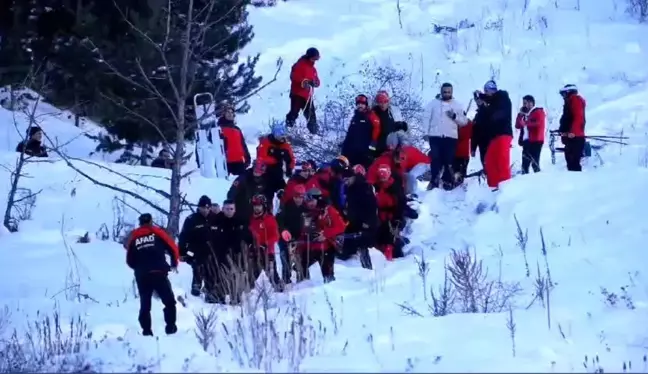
308,83
452,115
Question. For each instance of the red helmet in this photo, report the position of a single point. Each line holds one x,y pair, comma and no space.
359,169
384,171
259,200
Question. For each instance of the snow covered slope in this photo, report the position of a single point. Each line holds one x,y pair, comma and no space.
592,223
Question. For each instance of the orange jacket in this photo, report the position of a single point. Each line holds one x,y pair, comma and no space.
303,70
267,146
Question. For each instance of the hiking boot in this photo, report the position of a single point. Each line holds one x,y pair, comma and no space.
171,329
329,278
147,332
195,292
312,127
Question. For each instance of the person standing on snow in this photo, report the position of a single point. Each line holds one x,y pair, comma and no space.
236,150
254,181
462,153
276,152
359,145
443,116
362,214
303,81
146,250
531,123
289,220
572,126
265,235
497,133
388,123
196,245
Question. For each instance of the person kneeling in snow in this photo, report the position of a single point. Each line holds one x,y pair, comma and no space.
146,250
33,146
392,212
321,226
265,235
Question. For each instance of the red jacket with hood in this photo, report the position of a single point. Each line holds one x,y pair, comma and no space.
303,70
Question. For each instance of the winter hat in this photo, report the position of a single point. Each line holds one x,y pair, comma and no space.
382,97
312,52
362,99
279,130
490,86
204,202
33,130
569,88
145,219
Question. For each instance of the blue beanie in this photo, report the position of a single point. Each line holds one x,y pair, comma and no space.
490,86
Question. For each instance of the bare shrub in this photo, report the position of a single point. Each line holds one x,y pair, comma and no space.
637,9
336,111
47,344
120,227
206,324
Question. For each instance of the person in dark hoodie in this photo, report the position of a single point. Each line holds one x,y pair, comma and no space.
359,145
388,124
290,219
361,212
236,150
253,182
33,145
497,133
303,81
230,237
163,160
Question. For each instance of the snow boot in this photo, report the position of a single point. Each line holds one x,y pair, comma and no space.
171,329
329,278
147,332
195,291
312,127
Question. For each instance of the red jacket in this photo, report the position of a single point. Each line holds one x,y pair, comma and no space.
236,150
303,70
463,142
573,117
329,222
410,156
266,145
265,231
534,122
289,190
322,181
389,203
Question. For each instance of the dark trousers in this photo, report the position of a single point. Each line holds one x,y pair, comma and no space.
442,151
298,103
574,152
483,147
460,165
236,168
386,236
357,240
531,156
286,262
197,277
147,284
326,260
275,178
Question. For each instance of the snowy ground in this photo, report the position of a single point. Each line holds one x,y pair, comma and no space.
379,321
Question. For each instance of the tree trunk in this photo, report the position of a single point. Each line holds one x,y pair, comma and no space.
11,197
144,154
175,202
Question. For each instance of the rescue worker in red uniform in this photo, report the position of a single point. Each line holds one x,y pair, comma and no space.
303,81
265,235
236,150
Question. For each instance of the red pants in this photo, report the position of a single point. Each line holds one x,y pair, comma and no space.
497,162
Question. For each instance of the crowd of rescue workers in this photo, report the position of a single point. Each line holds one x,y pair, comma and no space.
359,200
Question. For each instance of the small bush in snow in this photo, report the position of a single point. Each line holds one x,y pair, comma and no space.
22,208
638,9
47,344
336,110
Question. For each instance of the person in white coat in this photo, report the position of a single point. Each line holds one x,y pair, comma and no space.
443,117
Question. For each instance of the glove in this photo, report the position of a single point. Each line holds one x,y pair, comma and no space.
307,83
280,194
452,115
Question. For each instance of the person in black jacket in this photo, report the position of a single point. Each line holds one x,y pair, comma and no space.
146,250
361,139
33,145
230,237
290,219
496,131
163,160
253,182
196,244
362,214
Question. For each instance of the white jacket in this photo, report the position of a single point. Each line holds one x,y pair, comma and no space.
437,121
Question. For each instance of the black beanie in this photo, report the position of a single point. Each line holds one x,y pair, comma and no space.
312,52
204,202
145,219
33,130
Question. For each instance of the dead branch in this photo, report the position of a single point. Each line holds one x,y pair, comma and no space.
274,79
